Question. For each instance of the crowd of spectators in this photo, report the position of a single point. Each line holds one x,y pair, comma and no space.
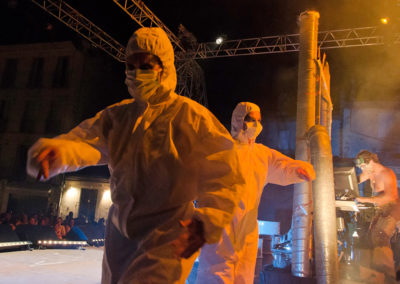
61,227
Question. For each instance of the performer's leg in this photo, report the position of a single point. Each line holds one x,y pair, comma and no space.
155,260
382,255
245,268
118,253
217,262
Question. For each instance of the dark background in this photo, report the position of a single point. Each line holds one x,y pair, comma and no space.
268,80
357,74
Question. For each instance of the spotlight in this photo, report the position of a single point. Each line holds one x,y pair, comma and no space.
219,40
385,20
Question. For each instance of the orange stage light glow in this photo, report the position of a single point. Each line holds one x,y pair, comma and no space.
384,21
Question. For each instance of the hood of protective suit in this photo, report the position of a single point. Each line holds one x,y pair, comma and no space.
238,115
155,41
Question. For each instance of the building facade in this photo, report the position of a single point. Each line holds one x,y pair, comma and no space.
45,90
88,198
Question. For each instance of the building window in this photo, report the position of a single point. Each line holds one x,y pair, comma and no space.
9,73
53,120
60,79
87,204
28,118
36,73
3,115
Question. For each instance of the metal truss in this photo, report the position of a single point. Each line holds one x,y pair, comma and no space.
290,43
190,75
250,46
350,38
77,22
139,12
191,82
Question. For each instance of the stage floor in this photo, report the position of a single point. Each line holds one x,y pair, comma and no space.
74,266
60,266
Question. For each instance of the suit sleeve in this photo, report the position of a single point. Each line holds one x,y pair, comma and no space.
282,170
83,146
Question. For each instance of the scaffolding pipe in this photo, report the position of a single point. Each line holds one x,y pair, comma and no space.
302,197
325,235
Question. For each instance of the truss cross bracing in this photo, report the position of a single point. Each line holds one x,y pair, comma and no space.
139,12
290,43
187,68
190,78
77,22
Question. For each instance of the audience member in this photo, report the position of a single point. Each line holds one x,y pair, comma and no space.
69,225
60,229
44,221
25,220
69,217
32,220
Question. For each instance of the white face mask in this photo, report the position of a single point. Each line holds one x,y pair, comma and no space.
142,83
253,129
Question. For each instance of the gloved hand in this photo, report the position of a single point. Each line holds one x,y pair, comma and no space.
191,240
307,175
45,159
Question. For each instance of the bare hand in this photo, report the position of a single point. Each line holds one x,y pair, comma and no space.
44,159
362,200
191,240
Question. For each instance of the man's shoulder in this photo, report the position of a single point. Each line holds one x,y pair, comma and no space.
388,172
384,175
191,104
264,148
199,117
121,103
193,108
119,106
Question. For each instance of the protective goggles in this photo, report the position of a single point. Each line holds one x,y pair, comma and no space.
359,162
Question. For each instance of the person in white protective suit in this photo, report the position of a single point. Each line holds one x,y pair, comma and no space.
233,258
163,151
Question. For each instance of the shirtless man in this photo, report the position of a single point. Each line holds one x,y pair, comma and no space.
385,196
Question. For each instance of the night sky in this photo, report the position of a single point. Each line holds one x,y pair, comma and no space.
268,80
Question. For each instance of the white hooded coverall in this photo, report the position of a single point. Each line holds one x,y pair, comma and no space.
163,151
233,258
